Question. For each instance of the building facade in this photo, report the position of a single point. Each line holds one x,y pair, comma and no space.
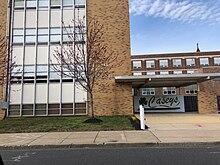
37,29
180,64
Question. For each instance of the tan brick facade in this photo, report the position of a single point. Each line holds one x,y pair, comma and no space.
112,98
3,18
208,92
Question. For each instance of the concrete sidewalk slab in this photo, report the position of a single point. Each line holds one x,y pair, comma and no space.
140,137
110,137
19,139
54,138
80,138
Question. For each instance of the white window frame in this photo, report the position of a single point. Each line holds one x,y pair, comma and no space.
151,73
191,91
148,91
164,63
150,64
177,72
216,60
137,64
137,74
190,62
204,61
177,62
190,71
164,72
169,90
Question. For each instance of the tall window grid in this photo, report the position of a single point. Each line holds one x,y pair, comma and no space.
37,32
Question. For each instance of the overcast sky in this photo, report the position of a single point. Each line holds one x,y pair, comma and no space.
166,26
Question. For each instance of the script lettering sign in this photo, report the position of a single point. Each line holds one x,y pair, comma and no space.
172,103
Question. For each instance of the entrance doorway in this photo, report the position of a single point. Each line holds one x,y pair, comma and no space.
218,100
191,103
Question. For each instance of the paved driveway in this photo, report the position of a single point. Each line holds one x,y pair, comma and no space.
184,127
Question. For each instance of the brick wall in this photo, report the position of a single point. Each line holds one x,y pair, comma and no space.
111,98
3,17
207,102
208,92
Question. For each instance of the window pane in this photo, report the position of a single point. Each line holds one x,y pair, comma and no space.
18,32
18,39
150,64
55,18
30,31
55,38
28,68
55,31
42,31
43,20
204,61
217,60
18,18
80,2
43,38
42,70
137,74
19,3
55,2
148,91
169,91
54,75
43,3
30,39
151,73
164,72
190,71
31,3
176,62
177,72
136,64
190,62
66,38
163,63
67,2
31,18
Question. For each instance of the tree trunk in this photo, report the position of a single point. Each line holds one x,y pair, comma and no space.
91,104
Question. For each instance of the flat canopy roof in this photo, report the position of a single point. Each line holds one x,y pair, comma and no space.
166,80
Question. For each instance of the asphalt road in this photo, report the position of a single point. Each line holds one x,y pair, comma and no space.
113,156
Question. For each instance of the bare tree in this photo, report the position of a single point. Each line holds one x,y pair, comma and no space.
86,57
2,58
6,64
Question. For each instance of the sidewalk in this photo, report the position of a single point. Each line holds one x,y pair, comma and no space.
165,130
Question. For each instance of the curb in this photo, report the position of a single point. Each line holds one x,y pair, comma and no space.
119,145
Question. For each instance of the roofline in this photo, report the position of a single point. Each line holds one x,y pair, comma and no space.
170,76
182,53
167,80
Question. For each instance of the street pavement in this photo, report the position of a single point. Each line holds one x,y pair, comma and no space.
114,156
164,130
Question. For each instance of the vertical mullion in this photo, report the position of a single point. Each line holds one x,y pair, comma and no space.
48,62
61,41
36,52
74,82
23,60
86,48
10,25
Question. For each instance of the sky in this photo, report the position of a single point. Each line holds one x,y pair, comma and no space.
170,26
